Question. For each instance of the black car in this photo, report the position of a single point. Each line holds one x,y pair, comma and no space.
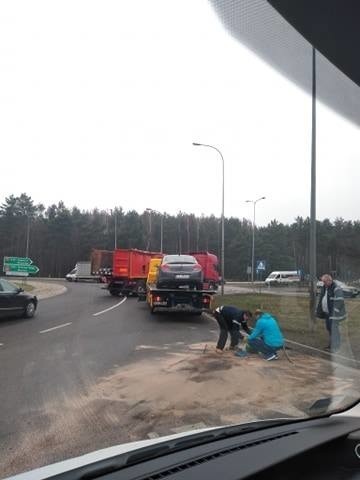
14,301
180,271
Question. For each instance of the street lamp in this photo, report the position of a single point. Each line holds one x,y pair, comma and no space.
222,212
27,235
254,202
115,228
150,210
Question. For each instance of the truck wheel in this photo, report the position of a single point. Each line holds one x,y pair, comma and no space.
114,293
140,288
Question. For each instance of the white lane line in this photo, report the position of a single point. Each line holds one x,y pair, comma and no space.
1,344
110,308
55,328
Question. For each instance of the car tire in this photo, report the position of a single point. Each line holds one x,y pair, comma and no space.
30,309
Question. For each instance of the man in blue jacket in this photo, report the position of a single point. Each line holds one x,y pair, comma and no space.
266,337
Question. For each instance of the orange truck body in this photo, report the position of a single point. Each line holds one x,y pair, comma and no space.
130,269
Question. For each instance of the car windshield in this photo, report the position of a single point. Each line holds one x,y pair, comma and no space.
139,133
6,286
179,259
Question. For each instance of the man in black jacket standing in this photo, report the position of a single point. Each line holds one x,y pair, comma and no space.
230,319
331,307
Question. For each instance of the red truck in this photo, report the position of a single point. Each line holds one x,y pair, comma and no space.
209,263
130,268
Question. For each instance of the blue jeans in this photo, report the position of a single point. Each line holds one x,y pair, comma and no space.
258,345
332,326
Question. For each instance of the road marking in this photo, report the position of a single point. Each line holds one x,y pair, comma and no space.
55,328
1,344
110,308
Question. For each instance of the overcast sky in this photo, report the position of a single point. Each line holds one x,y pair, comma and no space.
101,101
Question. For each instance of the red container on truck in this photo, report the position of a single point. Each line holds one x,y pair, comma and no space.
130,269
209,263
101,262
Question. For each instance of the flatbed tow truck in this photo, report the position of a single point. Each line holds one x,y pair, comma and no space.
177,299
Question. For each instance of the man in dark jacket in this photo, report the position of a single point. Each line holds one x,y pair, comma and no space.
230,319
331,307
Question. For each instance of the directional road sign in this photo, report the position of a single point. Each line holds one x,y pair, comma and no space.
17,261
19,265
22,268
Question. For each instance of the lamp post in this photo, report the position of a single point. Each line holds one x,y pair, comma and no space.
27,235
115,228
222,212
150,210
312,249
254,202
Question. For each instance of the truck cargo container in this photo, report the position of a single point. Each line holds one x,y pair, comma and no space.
102,263
82,271
130,269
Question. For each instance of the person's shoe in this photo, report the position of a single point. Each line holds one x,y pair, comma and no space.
241,353
328,348
270,357
218,350
233,348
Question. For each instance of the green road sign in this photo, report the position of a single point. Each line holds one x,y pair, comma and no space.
22,268
17,261
18,265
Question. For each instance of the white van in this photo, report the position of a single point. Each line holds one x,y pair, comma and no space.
283,278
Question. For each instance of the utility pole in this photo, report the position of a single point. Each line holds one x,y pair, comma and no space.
115,228
313,278
222,213
254,202
27,236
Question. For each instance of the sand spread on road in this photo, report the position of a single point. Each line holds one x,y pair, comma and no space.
174,388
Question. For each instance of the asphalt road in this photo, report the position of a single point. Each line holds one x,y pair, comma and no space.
74,340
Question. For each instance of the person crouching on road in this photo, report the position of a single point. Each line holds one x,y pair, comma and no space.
230,319
266,337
